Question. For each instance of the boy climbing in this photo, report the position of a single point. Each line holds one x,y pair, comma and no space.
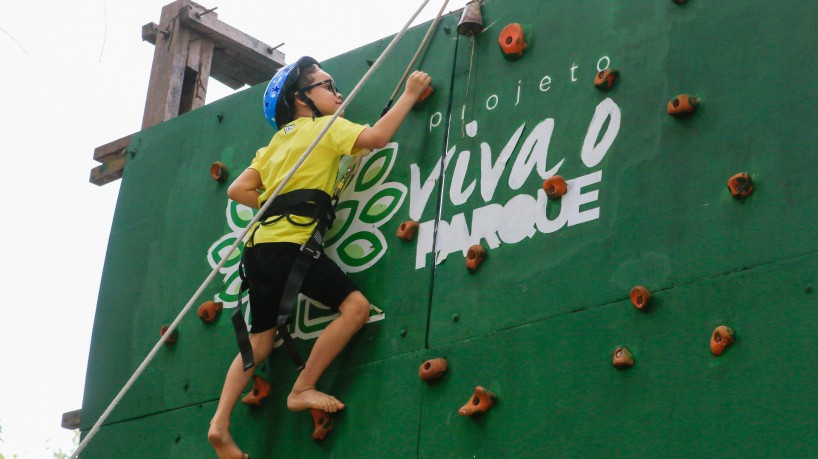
299,101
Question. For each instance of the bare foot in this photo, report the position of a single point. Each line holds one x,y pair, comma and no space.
302,399
224,445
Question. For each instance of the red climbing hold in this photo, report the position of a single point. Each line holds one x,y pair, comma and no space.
259,393
209,311
512,41
682,105
555,187
421,101
605,79
740,185
640,297
323,423
407,230
622,357
218,172
433,369
481,401
722,337
475,256
171,339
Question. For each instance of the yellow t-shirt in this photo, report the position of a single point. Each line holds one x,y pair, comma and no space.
319,171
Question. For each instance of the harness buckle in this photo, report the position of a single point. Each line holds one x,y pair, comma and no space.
316,254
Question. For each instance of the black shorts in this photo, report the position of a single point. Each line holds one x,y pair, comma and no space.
268,265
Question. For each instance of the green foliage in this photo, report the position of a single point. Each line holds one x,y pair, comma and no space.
60,454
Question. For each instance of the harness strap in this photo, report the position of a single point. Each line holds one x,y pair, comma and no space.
310,251
307,203
243,338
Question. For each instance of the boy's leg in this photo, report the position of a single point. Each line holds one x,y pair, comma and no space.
234,384
354,314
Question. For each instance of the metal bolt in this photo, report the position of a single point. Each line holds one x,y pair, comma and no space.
270,49
403,333
455,317
199,15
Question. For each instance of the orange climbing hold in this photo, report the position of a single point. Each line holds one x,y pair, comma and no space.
259,393
323,423
682,105
481,401
407,230
475,256
512,41
740,185
171,339
555,187
209,311
723,337
640,297
622,357
218,172
605,79
433,369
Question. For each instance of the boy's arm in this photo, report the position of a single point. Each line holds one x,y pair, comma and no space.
382,132
244,190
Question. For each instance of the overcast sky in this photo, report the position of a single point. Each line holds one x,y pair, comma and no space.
74,76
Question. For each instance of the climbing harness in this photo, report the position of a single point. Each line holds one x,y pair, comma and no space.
314,204
159,344
319,206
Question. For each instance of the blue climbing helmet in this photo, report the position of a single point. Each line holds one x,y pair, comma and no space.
276,108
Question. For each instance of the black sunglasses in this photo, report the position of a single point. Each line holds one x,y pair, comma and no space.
330,86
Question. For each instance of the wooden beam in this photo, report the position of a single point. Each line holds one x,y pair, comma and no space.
250,52
226,73
232,73
112,150
149,32
71,420
108,172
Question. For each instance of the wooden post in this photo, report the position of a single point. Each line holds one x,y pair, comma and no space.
170,57
191,45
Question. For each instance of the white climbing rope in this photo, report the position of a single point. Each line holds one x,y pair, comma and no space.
235,245
347,177
420,49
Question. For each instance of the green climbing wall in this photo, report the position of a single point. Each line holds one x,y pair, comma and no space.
538,322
